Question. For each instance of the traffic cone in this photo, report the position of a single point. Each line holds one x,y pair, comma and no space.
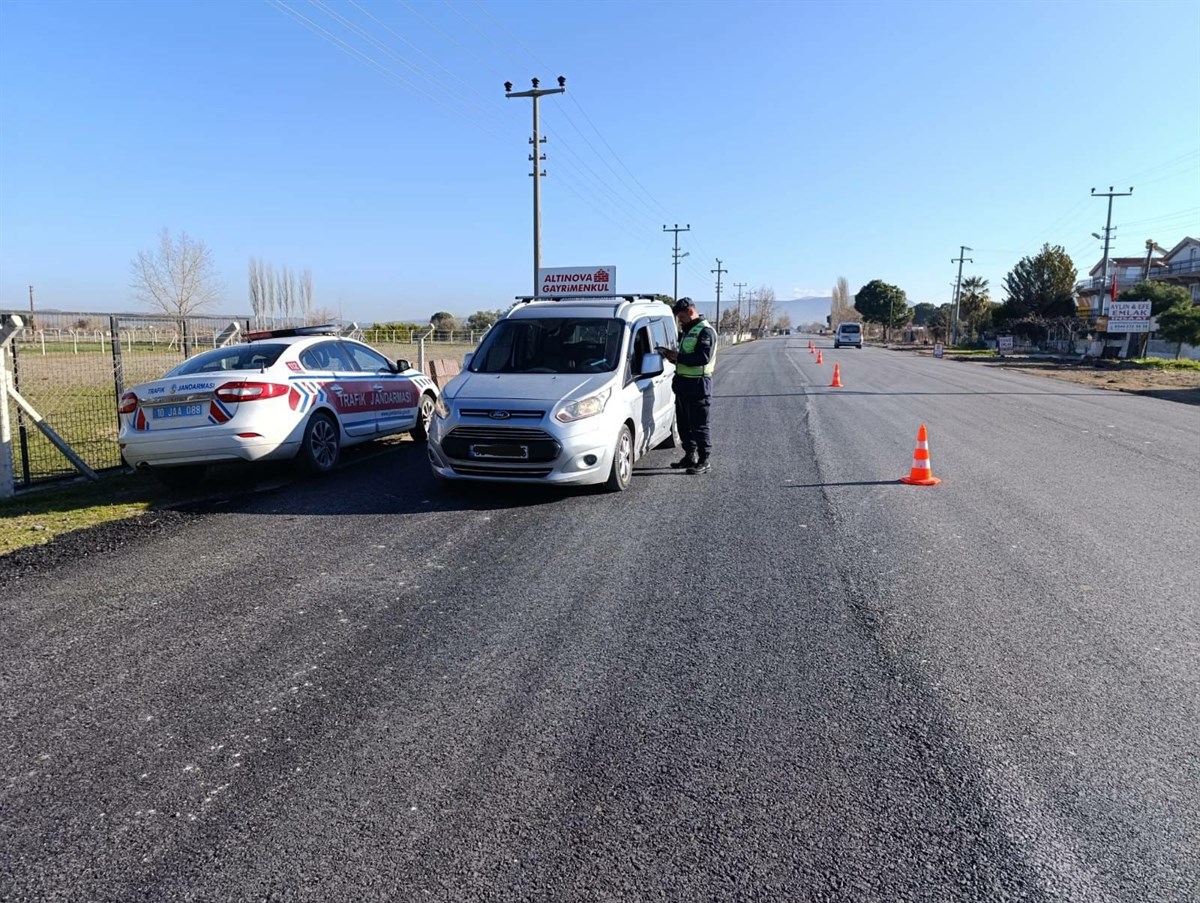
819,361
921,473
811,349
837,377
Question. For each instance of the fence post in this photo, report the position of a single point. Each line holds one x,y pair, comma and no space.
185,338
7,486
118,362
22,432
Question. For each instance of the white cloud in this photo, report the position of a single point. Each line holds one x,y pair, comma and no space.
808,293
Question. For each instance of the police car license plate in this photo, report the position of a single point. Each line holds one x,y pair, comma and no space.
176,410
510,452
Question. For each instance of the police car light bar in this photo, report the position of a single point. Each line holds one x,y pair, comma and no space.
327,329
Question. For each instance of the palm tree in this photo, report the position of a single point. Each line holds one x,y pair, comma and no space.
974,303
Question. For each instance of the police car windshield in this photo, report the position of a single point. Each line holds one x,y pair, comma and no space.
550,345
254,356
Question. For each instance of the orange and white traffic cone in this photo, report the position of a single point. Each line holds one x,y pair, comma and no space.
921,473
837,377
811,348
819,361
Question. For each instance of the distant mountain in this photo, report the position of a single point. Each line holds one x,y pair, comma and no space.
805,310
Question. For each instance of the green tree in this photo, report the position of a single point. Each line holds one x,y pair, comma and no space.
924,313
443,321
1161,295
1041,286
974,304
1180,324
483,319
879,302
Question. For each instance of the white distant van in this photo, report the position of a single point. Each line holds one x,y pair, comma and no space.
569,391
848,334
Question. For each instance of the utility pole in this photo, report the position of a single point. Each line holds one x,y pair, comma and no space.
718,271
537,157
31,307
1110,194
962,249
738,326
677,256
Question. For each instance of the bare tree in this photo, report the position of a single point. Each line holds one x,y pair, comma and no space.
764,309
306,294
177,278
842,307
319,316
272,293
258,291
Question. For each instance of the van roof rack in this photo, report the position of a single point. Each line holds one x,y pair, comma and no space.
326,329
623,296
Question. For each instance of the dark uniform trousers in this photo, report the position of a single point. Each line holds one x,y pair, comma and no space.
693,398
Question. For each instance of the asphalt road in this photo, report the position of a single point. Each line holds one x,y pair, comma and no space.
793,679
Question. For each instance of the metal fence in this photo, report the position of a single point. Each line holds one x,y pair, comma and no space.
73,366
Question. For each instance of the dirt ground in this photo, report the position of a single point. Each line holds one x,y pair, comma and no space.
1173,385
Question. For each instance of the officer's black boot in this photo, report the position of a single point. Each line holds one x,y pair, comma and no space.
688,460
701,466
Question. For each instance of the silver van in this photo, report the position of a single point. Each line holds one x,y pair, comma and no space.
848,334
568,391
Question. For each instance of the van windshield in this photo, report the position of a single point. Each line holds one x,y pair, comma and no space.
550,345
849,327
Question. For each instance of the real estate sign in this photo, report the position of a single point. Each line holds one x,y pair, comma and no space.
1129,316
559,282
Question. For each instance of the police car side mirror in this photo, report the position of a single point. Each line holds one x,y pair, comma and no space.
402,365
652,365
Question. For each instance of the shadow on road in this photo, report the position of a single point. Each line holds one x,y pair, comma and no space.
856,483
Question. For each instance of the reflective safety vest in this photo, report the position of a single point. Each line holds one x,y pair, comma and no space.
688,345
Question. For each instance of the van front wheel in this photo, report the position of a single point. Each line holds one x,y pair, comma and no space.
621,474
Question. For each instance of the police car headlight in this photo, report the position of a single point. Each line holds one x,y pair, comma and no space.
584,408
441,409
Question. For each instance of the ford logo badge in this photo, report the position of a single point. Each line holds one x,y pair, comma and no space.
499,415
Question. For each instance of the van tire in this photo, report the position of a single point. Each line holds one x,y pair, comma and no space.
321,447
621,474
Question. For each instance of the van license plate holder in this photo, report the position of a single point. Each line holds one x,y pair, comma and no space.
500,452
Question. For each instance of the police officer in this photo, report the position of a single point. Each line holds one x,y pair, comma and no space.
694,363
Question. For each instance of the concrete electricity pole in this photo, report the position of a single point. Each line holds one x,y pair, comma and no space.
718,271
740,286
962,249
31,307
1110,194
677,256
537,157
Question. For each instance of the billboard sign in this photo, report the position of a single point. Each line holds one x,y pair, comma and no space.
1129,316
564,282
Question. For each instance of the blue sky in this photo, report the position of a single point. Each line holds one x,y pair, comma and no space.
801,141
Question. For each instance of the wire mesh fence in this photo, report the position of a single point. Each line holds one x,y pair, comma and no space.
72,368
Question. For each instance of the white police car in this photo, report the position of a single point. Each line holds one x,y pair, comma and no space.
290,393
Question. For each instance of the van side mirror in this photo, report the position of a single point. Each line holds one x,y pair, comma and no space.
402,365
652,365
467,358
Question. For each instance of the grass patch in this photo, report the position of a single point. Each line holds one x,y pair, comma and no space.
970,352
1162,363
39,517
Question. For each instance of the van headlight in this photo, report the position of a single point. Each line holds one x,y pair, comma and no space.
583,408
441,409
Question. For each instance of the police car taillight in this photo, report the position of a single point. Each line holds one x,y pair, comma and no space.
129,403
233,393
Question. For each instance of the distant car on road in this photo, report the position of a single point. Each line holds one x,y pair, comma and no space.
571,391
848,334
293,393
